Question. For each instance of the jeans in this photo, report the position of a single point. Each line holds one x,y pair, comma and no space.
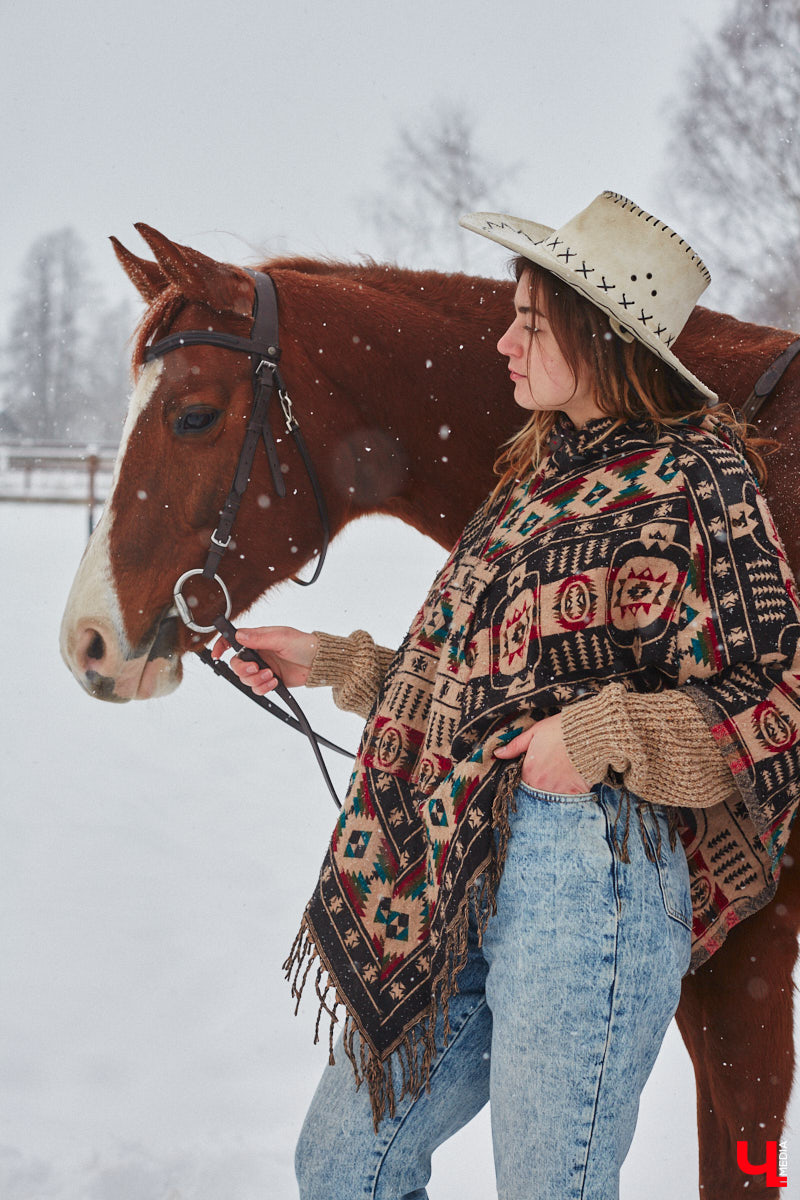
558,1019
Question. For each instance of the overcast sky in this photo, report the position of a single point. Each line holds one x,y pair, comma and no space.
256,125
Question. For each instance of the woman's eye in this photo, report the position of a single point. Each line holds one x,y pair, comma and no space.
196,420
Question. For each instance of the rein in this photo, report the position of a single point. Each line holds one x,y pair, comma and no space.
264,350
767,382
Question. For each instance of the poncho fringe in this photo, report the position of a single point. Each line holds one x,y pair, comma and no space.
414,1054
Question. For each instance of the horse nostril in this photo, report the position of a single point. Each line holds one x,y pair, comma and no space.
97,648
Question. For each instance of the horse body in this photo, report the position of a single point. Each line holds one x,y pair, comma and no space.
730,355
403,400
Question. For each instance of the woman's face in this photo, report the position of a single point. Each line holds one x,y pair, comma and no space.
541,375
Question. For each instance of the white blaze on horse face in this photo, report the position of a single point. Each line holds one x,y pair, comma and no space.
141,397
94,642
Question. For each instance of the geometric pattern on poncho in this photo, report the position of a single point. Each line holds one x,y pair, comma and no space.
635,556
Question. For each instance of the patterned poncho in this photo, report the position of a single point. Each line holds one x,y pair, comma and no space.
635,556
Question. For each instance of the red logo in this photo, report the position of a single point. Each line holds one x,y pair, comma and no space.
769,1167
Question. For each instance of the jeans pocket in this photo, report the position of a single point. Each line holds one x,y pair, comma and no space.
554,797
673,869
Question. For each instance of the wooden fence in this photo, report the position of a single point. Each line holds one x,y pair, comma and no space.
52,473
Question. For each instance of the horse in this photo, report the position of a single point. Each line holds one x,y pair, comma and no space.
403,399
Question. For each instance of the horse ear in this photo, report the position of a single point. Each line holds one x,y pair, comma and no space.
146,276
224,288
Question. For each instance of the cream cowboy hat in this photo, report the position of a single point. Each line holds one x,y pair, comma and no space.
628,263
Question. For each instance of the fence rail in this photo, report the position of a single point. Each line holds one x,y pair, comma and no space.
52,473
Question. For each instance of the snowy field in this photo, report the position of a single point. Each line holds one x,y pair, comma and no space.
153,871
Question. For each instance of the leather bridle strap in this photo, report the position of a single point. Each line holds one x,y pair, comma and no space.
300,719
221,668
264,350
769,380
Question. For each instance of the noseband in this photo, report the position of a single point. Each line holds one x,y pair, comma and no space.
264,350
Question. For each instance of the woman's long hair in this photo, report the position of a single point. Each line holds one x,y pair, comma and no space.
628,380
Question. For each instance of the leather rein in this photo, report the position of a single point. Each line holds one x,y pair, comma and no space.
766,383
264,350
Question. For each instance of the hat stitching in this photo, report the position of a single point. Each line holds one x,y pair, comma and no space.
618,198
518,232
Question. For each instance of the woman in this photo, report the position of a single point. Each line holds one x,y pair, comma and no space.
609,657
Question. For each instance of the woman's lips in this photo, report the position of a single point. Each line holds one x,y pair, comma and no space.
515,375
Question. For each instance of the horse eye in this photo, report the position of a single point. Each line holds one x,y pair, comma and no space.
196,420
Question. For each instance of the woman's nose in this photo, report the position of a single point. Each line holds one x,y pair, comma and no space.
507,343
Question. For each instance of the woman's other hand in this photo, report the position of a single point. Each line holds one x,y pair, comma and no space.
547,766
289,653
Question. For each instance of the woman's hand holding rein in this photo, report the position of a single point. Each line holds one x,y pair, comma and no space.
289,653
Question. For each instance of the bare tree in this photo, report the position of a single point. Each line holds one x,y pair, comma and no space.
64,363
733,164
43,388
108,378
434,175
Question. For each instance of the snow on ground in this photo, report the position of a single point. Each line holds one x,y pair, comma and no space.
154,862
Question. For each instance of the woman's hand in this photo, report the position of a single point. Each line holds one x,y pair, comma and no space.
289,653
547,766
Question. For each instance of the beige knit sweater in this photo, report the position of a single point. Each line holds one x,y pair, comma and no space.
657,741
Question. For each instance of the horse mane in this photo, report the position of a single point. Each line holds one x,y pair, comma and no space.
158,316
449,294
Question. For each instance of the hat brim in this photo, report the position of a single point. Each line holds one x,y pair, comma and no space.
528,239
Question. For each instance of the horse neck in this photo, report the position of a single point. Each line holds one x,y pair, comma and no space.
728,354
404,367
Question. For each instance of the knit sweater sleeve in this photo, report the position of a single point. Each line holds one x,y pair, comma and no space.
657,741
354,667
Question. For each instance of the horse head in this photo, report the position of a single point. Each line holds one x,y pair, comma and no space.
120,635
382,366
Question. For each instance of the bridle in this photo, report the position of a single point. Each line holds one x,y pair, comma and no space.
263,347
767,382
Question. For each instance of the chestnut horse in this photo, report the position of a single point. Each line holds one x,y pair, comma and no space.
403,400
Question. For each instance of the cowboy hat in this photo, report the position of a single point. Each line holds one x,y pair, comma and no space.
628,263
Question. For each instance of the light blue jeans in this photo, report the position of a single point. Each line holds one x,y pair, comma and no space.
558,1019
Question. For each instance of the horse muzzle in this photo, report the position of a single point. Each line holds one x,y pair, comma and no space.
108,670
